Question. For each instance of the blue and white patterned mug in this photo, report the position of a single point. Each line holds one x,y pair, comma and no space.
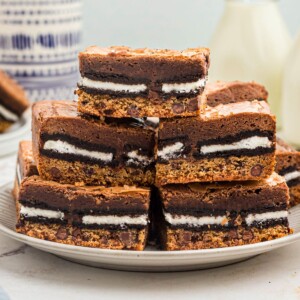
39,43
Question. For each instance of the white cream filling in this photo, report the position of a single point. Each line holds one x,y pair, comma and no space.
153,120
134,156
195,221
247,143
291,175
115,220
7,114
66,148
169,151
111,86
251,218
183,87
44,213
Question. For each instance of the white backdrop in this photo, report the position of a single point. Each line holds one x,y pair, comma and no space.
162,23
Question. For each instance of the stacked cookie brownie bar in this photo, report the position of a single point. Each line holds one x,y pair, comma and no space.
95,159
124,82
144,122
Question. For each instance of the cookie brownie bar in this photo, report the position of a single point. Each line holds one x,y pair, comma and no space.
114,218
13,101
232,139
70,148
123,82
25,166
213,215
288,166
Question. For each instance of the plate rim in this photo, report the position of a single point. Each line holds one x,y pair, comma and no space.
163,254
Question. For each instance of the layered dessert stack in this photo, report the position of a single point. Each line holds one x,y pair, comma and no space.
215,172
87,176
95,160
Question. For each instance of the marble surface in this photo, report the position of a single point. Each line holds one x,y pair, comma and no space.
27,273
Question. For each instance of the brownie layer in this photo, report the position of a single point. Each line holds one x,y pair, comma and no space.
130,239
115,200
227,130
131,66
225,205
194,198
232,92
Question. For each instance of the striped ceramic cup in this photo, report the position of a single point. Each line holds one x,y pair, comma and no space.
39,42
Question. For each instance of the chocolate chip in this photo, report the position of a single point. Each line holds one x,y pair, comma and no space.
85,237
109,111
192,105
133,111
104,240
186,237
76,233
232,234
55,173
247,235
178,108
88,171
125,238
256,170
62,233
100,104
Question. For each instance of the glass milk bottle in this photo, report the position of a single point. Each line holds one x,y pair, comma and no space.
251,42
291,96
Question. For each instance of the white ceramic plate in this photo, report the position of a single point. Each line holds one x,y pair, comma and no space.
148,260
9,140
